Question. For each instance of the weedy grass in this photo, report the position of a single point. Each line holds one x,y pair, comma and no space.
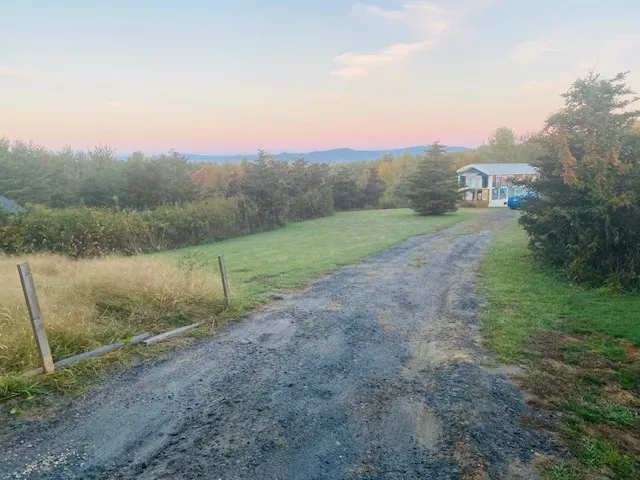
580,349
90,303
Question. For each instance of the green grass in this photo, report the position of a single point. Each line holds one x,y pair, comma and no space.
90,303
289,258
579,347
525,298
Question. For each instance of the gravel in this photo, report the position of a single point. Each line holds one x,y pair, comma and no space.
374,372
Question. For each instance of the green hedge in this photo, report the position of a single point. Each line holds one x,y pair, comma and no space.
90,232
93,232
312,204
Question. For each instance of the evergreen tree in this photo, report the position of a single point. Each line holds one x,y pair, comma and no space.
586,216
432,189
265,183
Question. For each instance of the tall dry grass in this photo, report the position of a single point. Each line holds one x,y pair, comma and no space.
89,303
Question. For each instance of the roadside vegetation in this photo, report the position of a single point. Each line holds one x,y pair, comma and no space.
88,303
585,218
581,352
567,306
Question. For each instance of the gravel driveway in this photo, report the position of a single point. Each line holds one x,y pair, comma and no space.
375,372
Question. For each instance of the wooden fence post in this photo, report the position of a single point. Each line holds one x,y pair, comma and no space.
225,283
29,289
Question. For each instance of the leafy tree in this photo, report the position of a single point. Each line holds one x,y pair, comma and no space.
502,146
433,188
586,218
159,180
345,189
264,182
213,179
389,171
373,189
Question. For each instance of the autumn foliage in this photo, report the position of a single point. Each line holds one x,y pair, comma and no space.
214,177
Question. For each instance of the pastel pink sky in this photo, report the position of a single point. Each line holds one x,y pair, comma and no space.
231,77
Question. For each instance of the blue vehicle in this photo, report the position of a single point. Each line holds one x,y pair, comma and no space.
519,200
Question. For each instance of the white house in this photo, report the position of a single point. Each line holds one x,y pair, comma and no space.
492,184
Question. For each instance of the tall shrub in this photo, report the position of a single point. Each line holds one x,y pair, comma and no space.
432,189
265,183
586,217
345,189
92,232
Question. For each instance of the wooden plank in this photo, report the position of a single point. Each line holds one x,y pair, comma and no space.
30,296
163,336
93,353
138,339
225,283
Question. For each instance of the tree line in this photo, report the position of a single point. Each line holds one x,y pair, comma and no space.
31,174
583,219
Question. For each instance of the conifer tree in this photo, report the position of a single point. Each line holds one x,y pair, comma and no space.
433,188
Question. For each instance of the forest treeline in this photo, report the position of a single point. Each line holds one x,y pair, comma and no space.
90,203
31,174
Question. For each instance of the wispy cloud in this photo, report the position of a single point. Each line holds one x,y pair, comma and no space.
359,64
15,72
529,52
114,104
429,21
377,11
427,18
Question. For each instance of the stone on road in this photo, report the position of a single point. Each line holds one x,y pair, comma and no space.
374,372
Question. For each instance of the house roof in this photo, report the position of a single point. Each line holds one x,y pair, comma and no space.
500,168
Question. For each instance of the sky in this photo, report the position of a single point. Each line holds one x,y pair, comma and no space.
232,76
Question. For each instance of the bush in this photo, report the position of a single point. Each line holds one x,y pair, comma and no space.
389,200
312,204
91,232
586,217
202,222
76,231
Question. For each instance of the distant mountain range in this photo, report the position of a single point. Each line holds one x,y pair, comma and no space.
323,156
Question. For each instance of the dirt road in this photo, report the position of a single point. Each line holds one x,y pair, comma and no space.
374,372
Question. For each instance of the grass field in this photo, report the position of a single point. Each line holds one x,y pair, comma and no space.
290,257
90,303
580,349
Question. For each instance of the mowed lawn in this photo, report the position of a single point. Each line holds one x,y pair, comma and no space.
291,257
580,350
525,298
